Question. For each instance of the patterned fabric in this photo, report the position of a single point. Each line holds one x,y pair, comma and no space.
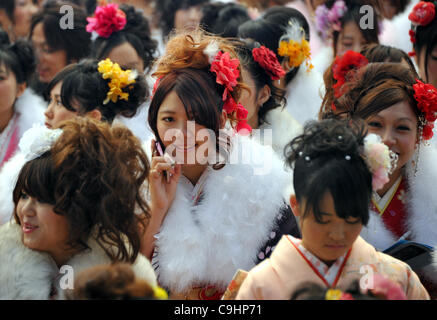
393,210
286,224
329,274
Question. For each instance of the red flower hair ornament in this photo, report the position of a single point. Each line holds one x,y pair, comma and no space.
423,13
107,20
227,73
426,97
345,67
267,59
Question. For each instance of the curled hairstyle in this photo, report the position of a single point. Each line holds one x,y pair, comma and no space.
185,69
92,176
110,282
136,33
17,57
84,86
269,29
76,42
376,87
260,77
320,166
426,38
376,53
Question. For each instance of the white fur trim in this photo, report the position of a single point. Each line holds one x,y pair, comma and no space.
376,233
206,244
284,128
8,179
30,274
24,274
304,95
31,108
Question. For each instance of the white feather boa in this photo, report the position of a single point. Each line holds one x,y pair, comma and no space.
29,274
206,244
422,207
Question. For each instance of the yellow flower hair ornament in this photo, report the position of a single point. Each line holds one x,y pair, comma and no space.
159,293
120,79
294,45
336,294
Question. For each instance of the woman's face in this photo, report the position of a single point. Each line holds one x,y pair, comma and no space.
24,9
50,62
333,236
186,141
56,112
127,57
9,90
43,229
432,66
350,38
397,126
188,18
249,99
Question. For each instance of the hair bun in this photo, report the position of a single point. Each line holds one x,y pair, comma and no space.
26,56
330,136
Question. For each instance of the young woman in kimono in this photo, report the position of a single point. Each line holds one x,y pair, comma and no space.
401,109
286,32
20,108
77,200
209,217
78,90
333,184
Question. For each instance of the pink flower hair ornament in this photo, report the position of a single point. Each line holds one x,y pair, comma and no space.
328,20
380,160
107,20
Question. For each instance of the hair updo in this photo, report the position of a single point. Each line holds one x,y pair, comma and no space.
93,176
17,57
84,85
327,158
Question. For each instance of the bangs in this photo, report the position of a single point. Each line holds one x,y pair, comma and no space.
36,179
195,94
346,187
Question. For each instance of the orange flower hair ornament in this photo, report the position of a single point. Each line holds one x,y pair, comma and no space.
294,46
119,79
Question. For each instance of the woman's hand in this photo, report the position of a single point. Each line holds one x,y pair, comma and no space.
163,179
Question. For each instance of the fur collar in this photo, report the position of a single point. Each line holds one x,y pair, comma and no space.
422,206
206,244
29,274
284,128
304,96
31,109
8,179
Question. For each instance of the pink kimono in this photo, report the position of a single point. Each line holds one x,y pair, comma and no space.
277,278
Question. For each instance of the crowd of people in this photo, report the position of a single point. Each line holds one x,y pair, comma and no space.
205,150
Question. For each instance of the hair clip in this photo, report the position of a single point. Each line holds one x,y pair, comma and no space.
340,137
347,157
307,159
300,153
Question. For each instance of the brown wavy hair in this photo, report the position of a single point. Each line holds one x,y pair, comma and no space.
376,87
376,53
110,282
185,69
93,176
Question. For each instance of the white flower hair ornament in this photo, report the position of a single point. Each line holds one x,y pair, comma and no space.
380,160
38,140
